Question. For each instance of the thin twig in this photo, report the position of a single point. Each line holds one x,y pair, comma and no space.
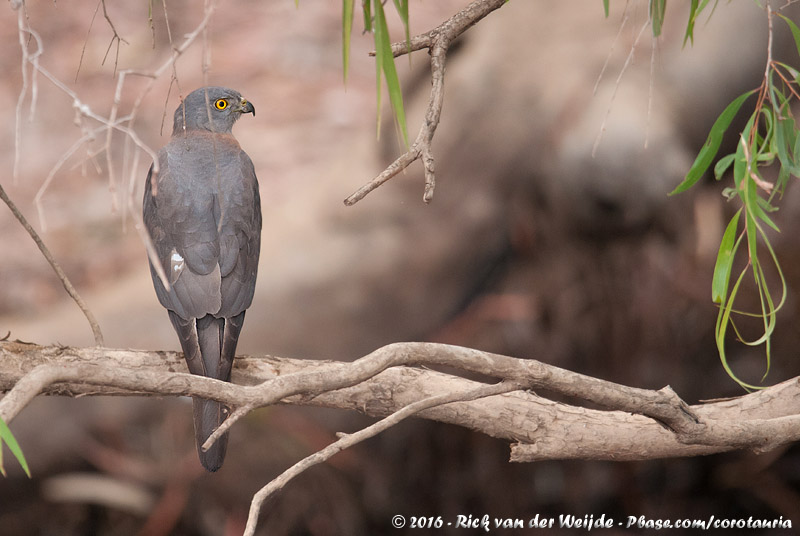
625,18
651,88
115,38
28,80
84,110
348,440
616,87
86,40
98,335
113,122
437,41
235,415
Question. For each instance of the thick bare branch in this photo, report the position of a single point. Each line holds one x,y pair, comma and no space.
384,382
437,41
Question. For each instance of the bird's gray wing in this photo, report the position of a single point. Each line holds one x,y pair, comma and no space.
240,238
181,222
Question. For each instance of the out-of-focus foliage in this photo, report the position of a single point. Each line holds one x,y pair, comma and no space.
8,438
769,136
375,22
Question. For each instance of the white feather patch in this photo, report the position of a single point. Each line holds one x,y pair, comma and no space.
176,265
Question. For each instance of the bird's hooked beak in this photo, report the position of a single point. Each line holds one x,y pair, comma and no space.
246,107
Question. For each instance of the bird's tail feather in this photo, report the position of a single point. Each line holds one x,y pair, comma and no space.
209,346
209,414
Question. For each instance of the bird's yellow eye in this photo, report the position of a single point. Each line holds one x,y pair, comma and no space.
221,104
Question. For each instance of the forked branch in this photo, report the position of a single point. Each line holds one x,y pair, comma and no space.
437,41
637,424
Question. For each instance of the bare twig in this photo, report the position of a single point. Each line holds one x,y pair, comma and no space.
348,440
124,124
651,88
28,81
437,41
115,38
98,335
86,40
625,66
625,17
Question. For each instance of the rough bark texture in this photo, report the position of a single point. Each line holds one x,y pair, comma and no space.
379,385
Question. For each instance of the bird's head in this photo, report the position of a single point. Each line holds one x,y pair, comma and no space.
211,108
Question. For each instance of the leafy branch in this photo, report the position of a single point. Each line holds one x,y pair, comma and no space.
769,136
437,41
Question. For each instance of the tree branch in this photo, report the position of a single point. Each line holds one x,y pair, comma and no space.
384,381
437,41
98,335
348,440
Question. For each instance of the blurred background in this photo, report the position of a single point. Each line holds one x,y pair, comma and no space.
531,248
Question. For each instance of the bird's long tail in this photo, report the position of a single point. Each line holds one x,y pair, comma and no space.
209,345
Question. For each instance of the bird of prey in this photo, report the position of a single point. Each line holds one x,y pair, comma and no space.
203,212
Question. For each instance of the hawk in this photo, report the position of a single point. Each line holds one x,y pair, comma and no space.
203,212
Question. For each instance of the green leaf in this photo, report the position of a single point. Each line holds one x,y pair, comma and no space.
730,193
347,32
795,31
695,9
366,9
402,10
791,70
7,437
711,146
379,59
739,164
785,140
765,205
796,148
750,223
383,47
723,319
753,203
605,7
722,270
722,165
657,9
785,132
689,36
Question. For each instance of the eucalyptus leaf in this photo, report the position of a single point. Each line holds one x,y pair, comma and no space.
383,43
795,31
722,269
722,165
711,146
8,438
347,31
657,10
